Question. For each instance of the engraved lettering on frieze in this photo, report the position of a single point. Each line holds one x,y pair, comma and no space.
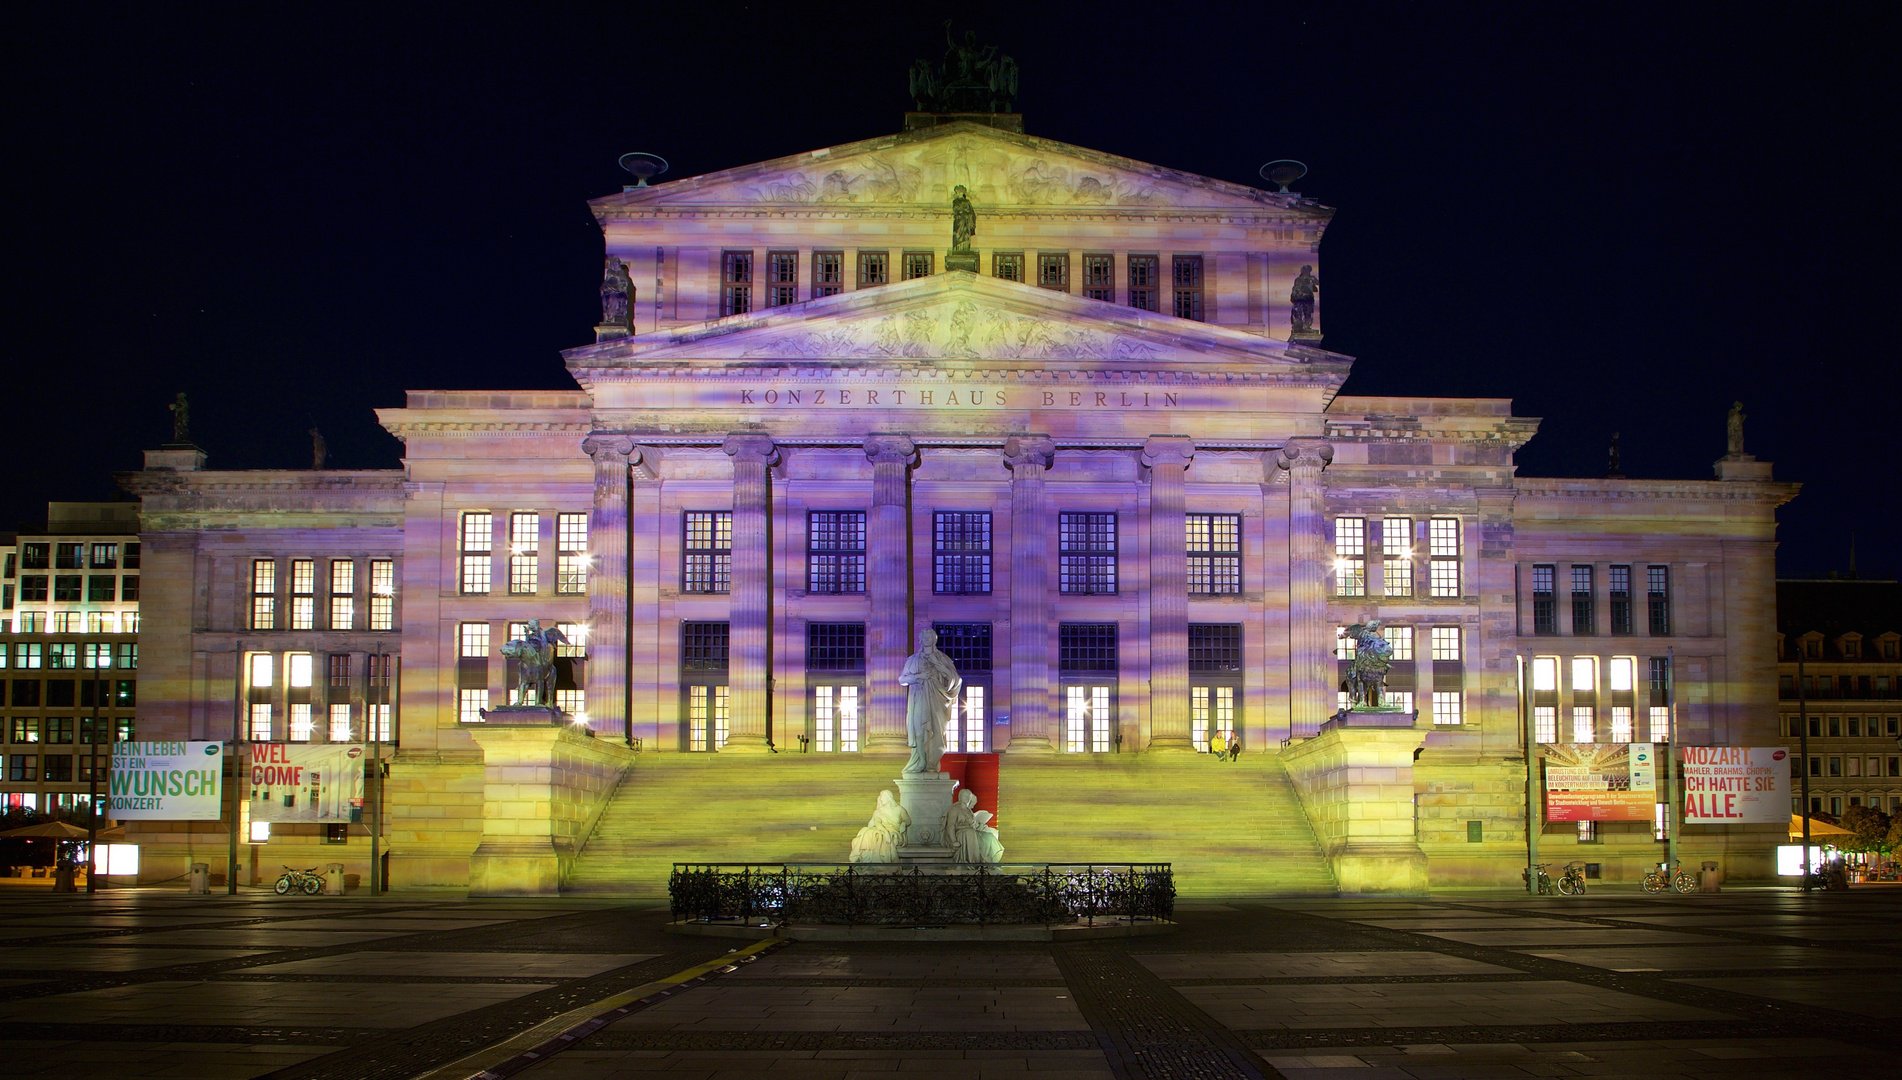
964,397
960,331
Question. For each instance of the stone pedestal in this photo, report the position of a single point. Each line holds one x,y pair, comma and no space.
1355,779
543,787
961,260
926,798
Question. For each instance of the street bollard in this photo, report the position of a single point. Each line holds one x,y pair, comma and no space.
1710,878
201,879
333,879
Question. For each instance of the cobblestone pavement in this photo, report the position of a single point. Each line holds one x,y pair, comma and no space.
1760,983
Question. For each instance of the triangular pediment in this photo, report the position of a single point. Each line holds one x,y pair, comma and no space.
999,169
957,316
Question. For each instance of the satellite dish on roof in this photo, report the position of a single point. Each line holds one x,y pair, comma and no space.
643,166
1283,172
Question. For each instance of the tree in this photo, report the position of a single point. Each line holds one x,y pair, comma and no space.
1872,828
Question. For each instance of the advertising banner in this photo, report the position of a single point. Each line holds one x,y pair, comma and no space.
166,781
300,782
1600,781
1736,785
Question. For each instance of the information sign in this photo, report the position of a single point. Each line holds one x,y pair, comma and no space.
1599,781
166,781
1736,785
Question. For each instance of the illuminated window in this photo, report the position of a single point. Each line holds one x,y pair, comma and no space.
128,653
1008,265
707,553
478,531
378,694
1446,707
1621,723
1401,638
104,557
1583,725
1188,286
263,594
573,702
736,282
1086,719
343,601
835,551
874,268
1545,673
472,640
1658,599
1211,716
1053,271
969,647
97,655
1344,647
916,264
303,594
1145,280
1545,724
1618,586
828,273
961,552
708,717
1446,643
571,554
1086,554
1099,277
1214,545
782,278
1396,556
339,722
1660,723
1350,556
835,716
1582,612
525,530
260,726
966,730
382,594
1584,674
62,654
1443,555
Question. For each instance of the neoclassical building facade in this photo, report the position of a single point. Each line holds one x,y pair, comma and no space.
1102,453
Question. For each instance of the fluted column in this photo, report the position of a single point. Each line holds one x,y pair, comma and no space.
1168,458
1310,654
1030,632
888,553
750,610
606,680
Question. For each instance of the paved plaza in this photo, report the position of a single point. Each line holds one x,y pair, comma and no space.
1757,983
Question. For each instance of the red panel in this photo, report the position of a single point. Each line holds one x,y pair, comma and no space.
977,772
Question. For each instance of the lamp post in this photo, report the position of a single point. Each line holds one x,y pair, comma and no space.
102,660
1670,764
1803,745
1533,818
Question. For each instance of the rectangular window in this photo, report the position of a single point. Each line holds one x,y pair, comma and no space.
835,719
62,654
1007,265
378,694
703,646
525,530
736,282
131,556
101,588
1619,594
1215,648
874,268
917,264
1211,716
300,720
24,729
1545,724
1582,614
104,557
1545,674
32,588
1657,583
835,646
477,537
1443,553
67,556
27,656
961,552
1584,674
965,732
1396,556
382,594
263,594
1621,730
828,273
35,556
707,553
1086,554
782,278
128,656
1086,725
1446,707
1214,544
1099,277
1622,674
472,640
303,594
1053,271
59,730
835,551
1086,648
1401,638
22,767
1188,286
260,721
1660,717
339,730
129,587
97,655
571,554
1446,643
1145,280
343,601
708,718
1350,556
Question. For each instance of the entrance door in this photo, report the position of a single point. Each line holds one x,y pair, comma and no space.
706,716
1086,719
966,731
1211,711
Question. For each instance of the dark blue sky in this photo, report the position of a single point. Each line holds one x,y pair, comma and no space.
1622,217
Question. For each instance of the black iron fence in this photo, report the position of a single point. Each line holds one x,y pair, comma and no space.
858,894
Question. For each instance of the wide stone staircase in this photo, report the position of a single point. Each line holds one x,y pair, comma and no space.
1230,829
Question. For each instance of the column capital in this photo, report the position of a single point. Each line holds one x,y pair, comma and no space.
1177,450
1305,454
751,447
1029,451
610,450
891,450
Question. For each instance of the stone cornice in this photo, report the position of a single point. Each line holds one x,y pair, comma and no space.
1029,215
1009,372
263,481
1771,494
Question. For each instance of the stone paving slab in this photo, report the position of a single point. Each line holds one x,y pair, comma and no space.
1378,1005
404,922
1482,922
253,937
963,964
1310,965
89,956
1574,934
1661,1059
326,1004
468,964
585,1064
1880,997
1728,955
136,1061
732,1006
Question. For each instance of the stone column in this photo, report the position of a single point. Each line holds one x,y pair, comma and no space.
750,611
888,581
1310,656
1030,632
1168,458
606,679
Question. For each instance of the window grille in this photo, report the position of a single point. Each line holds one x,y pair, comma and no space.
1582,613
1401,638
1188,286
1214,544
1443,554
1396,556
1658,599
1545,606
1350,556
703,646
571,554
263,594
1099,277
828,273
1215,648
782,278
835,646
478,529
1446,643
707,552
835,719
736,282
1008,265
707,715
343,601
917,264
1145,277
874,268
1053,271
1211,713
961,552
382,594
835,551
1545,723
967,644
1086,648
525,558
1086,719
1446,707
1086,559
1618,592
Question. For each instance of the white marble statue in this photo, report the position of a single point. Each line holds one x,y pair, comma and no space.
934,683
878,841
960,828
990,847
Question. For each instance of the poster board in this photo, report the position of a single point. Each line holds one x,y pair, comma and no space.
1736,785
306,783
166,781
1600,781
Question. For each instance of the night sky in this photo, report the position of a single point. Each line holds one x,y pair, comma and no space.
1620,217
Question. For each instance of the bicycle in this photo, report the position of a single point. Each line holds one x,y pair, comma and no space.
293,878
1667,878
1572,882
1545,879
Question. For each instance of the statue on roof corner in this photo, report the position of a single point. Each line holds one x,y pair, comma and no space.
1733,428
181,419
617,287
1301,301
971,78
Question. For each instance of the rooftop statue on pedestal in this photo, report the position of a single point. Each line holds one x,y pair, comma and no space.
181,420
970,80
1733,429
934,683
